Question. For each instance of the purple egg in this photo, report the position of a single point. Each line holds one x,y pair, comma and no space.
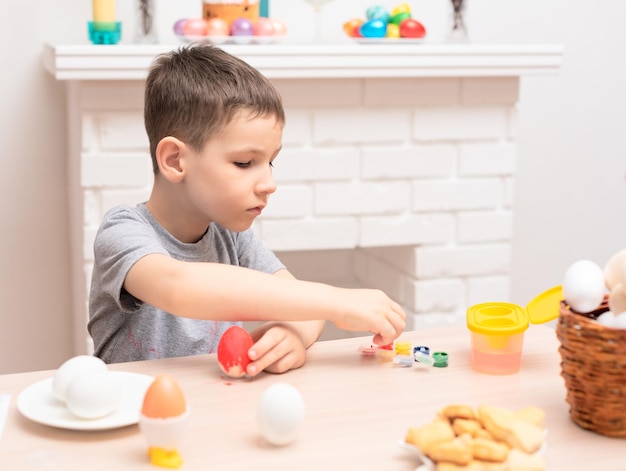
241,27
178,27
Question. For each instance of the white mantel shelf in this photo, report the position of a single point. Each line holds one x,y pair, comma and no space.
301,61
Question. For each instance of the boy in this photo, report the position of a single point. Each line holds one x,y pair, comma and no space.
171,274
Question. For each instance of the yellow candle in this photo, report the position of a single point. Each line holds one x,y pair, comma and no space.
103,10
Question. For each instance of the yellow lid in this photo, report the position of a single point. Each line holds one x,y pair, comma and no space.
497,319
545,307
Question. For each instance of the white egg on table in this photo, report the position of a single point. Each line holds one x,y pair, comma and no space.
583,286
73,367
93,395
280,414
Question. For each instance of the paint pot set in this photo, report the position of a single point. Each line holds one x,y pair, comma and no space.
404,354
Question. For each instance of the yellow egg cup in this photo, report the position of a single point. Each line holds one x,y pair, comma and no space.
165,458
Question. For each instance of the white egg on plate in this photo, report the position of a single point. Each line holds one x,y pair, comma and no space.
280,413
71,369
583,286
93,395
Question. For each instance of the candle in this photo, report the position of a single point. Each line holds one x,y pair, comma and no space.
264,8
103,11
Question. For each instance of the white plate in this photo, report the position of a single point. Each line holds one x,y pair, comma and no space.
389,40
232,39
37,403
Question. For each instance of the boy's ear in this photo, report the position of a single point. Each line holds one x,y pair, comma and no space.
169,152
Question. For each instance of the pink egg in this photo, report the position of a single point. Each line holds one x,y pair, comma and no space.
263,27
241,27
178,26
195,27
280,28
217,27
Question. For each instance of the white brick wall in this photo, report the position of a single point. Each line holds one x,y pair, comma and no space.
400,184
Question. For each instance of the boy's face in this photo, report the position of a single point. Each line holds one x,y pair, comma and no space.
230,181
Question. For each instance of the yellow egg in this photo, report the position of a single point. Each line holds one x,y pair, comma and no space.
402,8
393,30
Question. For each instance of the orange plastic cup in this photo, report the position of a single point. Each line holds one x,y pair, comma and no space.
497,337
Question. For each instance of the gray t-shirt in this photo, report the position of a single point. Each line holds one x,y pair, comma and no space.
124,328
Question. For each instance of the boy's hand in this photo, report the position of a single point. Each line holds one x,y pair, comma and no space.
370,310
278,348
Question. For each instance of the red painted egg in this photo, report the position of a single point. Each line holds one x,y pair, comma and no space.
232,351
411,28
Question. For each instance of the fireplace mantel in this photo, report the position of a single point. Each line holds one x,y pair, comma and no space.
299,61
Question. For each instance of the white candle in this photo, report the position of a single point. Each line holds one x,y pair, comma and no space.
103,11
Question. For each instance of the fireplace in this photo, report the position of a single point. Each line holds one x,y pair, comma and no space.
397,172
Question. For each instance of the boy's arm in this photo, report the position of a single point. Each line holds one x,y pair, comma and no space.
309,331
225,292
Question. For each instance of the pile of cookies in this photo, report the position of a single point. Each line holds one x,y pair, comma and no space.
488,438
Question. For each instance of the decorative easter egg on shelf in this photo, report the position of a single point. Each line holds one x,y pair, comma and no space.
350,26
377,12
399,17
280,414
373,29
195,27
402,8
163,421
263,27
241,27
178,26
411,28
232,351
280,28
583,286
393,31
217,27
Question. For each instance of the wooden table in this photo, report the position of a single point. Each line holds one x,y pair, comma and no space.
357,410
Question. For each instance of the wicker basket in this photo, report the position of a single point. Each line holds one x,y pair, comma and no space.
593,365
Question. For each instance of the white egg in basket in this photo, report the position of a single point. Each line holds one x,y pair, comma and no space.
584,286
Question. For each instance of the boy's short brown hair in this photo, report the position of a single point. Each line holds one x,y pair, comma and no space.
192,93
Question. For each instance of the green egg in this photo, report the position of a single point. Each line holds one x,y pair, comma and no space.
399,17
